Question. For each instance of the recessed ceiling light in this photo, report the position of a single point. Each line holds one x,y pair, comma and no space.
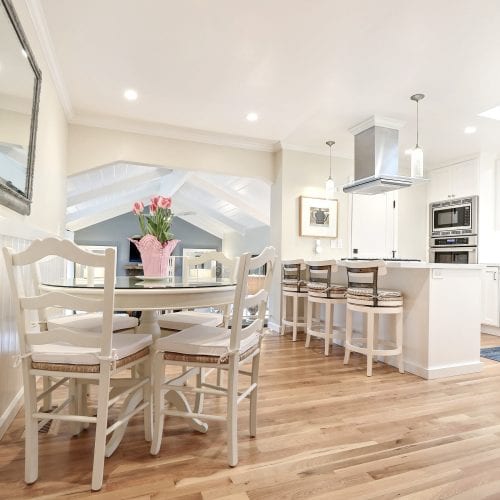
470,130
130,95
493,113
24,53
252,117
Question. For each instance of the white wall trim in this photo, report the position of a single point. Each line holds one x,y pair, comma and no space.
490,330
10,412
174,132
38,17
274,327
442,371
322,151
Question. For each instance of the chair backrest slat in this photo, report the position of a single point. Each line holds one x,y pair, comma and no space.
242,300
320,271
365,274
26,303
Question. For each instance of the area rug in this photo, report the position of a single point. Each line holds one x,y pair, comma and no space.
491,353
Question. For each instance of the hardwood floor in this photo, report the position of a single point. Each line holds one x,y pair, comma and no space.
325,431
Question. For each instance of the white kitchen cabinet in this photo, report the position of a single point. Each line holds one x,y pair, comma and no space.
374,221
490,295
454,181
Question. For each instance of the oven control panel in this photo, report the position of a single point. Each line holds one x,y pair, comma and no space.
459,241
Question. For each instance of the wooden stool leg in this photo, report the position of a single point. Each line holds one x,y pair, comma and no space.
399,340
369,342
348,334
295,317
328,327
310,309
283,314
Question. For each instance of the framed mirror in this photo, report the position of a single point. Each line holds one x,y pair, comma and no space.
20,82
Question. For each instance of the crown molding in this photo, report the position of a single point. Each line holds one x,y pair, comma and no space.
322,151
173,132
35,10
377,121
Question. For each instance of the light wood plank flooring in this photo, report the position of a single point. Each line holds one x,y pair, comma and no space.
325,431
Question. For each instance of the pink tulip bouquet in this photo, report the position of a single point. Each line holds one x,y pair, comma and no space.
158,221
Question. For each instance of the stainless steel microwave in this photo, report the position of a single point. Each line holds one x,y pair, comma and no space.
454,217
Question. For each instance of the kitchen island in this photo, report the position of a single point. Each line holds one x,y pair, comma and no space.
441,320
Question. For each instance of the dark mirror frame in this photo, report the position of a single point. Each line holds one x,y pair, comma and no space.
10,196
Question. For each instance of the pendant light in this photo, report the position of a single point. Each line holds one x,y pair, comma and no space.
417,155
330,185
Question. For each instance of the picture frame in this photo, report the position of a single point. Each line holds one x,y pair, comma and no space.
318,217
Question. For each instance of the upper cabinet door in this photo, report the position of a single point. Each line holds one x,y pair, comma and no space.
465,179
440,184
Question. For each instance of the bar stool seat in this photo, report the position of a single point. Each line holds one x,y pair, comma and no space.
294,288
363,296
322,293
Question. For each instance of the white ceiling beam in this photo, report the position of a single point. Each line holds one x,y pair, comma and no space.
170,184
200,221
128,183
194,204
231,196
100,213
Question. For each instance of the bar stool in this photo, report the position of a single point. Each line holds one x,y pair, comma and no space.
294,287
364,296
322,291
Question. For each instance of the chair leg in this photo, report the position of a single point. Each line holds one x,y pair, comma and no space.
75,405
47,400
399,340
348,335
148,411
369,343
232,411
158,403
310,310
199,398
219,378
31,431
295,317
376,325
84,403
328,327
253,396
101,427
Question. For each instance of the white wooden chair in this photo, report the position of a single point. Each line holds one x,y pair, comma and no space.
364,296
180,320
295,289
322,292
203,347
77,357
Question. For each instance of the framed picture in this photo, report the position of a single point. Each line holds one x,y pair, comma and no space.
318,217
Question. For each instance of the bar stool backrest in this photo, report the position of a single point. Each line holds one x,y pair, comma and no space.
320,271
290,270
364,274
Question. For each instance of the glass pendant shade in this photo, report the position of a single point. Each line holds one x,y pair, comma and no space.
330,187
417,162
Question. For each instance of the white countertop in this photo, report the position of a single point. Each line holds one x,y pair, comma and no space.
427,265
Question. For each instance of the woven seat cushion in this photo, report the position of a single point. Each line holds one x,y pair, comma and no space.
186,319
204,341
92,322
364,297
316,289
124,344
290,285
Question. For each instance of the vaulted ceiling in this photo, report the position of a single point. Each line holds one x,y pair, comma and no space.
214,203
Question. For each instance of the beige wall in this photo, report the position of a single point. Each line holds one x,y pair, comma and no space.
47,214
90,147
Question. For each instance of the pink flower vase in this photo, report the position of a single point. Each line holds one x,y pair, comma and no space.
154,255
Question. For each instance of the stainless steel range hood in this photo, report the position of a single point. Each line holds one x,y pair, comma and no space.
376,157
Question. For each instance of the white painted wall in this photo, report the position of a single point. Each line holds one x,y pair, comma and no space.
90,147
47,214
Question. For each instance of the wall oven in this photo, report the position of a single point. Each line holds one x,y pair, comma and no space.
459,250
454,217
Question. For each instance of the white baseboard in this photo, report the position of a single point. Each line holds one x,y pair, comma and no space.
490,330
442,371
274,327
11,411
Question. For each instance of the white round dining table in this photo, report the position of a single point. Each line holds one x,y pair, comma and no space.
150,296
